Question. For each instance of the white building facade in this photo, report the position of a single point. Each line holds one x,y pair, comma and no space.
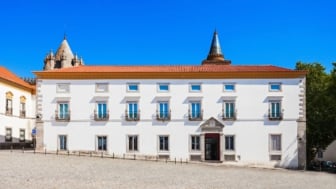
17,112
212,112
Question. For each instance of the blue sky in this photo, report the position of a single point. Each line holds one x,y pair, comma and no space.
168,32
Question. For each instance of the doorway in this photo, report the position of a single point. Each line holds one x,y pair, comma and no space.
212,146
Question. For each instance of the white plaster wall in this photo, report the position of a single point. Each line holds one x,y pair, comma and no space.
252,128
15,121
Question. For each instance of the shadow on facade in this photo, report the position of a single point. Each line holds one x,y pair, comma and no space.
15,143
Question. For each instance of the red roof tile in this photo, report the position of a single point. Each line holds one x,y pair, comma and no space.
7,75
153,69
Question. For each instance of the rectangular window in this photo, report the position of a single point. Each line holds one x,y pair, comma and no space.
8,137
101,87
274,87
62,87
195,88
22,109
163,110
101,111
132,87
195,143
275,143
229,143
22,135
229,87
133,111
62,142
195,110
229,110
101,143
9,107
163,87
275,110
163,143
133,143
63,111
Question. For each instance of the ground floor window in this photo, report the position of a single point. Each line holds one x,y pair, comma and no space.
8,137
22,135
102,143
229,143
133,143
195,143
62,142
275,147
163,143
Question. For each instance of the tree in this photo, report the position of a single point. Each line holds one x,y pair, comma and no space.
320,107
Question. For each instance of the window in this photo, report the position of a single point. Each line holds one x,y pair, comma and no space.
101,87
62,87
229,110
195,87
163,143
22,135
164,112
8,137
9,105
133,143
195,112
101,143
163,87
132,113
63,112
274,87
229,143
195,143
275,110
101,112
229,87
62,142
132,87
275,143
22,109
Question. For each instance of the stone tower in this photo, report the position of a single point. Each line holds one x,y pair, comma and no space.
215,55
63,58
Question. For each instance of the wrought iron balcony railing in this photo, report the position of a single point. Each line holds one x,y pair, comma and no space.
62,116
195,116
101,116
132,115
163,115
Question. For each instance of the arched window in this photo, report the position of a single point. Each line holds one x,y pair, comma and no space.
22,106
9,103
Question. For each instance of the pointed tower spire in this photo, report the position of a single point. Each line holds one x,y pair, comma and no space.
215,55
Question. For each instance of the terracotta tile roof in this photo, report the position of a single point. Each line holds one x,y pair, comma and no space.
10,77
176,69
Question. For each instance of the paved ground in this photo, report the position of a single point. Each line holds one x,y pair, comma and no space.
27,170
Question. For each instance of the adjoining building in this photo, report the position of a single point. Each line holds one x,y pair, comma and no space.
17,111
215,111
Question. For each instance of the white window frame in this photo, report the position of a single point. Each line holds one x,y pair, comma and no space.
274,83
190,107
234,108
58,109
132,91
234,87
22,138
62,87
270,102
191,144
163,91
158,142
97,108
276,153
127,143
195,91
168,107
59,142
97,143
8,136
234,143
102,87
